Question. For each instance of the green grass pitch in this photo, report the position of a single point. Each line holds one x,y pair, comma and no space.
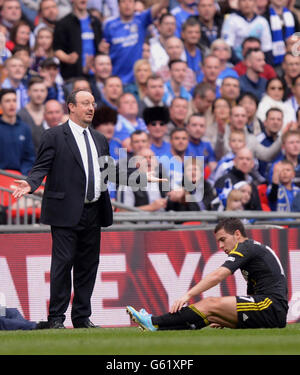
132,341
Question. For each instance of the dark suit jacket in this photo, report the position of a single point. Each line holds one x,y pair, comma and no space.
59,159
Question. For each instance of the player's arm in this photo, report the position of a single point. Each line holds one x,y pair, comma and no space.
158,7
212,279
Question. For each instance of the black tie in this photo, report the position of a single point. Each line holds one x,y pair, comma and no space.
91,185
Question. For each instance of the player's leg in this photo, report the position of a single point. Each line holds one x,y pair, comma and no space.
219,309
217,322
191,317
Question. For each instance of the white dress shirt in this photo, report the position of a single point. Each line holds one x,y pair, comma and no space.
77,131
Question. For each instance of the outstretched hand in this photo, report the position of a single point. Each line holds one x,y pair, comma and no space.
22,188
152,178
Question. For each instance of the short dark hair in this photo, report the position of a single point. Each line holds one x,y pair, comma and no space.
110,77
250,39
154,77
138,132
71,99
216,100
230,225
35,79
248,94
163,16
202,88
19,48
195,115
175,61
177,98
250,51
177,130
6,91
272,80
273,109
190,21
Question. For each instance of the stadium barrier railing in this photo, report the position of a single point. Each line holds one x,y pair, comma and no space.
26,212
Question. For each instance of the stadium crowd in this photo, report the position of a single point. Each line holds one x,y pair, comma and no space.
171,79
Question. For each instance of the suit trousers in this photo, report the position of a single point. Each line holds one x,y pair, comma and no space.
76,248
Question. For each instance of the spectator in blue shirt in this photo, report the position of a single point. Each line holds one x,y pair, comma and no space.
282,191
16,144
222,50
173,162
111,92
196,128
211,69
128,120
252,81
174,87
270,130
182,12
291,152
126,34
191,34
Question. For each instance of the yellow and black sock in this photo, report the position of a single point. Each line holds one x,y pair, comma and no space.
186,318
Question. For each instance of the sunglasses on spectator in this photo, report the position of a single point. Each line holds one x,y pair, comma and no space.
155,123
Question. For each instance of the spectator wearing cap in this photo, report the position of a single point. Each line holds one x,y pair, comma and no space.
49,70
104,121
77,38
156,119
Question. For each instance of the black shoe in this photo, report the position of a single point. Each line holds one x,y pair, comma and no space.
42,325
84,324
56,324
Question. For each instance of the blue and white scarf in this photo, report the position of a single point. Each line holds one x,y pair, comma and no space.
277,36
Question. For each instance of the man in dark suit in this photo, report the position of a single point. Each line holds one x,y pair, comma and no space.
76,204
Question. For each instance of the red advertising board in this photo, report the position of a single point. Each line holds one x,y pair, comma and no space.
142,269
